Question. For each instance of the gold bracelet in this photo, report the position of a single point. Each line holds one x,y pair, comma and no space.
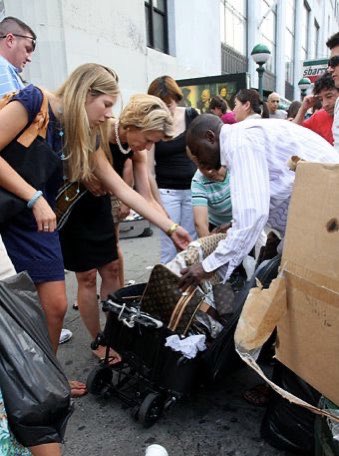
171,229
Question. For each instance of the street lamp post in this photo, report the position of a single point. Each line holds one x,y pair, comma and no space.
260,54
303,85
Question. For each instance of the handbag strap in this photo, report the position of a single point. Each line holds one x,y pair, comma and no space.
68,195
180,307
39,125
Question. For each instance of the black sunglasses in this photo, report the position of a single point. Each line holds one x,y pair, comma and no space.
333,61
22,36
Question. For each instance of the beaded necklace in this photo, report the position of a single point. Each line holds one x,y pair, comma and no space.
122,150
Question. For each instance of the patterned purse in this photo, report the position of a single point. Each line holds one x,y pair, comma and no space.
163,299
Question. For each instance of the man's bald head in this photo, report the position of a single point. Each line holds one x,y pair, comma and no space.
202,140
273,101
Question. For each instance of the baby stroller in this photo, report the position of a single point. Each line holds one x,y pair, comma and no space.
151,376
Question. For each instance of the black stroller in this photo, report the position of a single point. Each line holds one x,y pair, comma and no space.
151,376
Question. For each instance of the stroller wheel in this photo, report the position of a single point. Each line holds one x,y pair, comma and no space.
150,409
99,380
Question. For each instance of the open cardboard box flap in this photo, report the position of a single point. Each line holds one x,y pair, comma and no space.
304,299
311,248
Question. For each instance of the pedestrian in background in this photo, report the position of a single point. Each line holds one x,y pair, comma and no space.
169,163
220,108
333,68
273,101
320,122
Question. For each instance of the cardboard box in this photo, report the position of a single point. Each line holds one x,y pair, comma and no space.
308,332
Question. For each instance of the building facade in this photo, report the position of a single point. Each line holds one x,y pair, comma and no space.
182,38
293,30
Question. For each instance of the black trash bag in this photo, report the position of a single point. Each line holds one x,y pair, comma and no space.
221,357
287,426
326,431
35,390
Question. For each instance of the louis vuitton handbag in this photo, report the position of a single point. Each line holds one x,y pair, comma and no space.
163,299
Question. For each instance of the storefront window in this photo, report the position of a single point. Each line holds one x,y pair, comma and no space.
233,23
268,30
304,31
289,40
156,24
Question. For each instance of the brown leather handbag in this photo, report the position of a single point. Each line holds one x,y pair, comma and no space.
163,299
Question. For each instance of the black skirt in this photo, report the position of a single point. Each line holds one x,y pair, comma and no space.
88,238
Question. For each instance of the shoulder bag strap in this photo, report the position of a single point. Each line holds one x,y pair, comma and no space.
39,125
6,99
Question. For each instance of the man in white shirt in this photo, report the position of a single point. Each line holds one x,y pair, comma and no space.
333,68
255,154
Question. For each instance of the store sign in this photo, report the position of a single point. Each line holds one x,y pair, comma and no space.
312,69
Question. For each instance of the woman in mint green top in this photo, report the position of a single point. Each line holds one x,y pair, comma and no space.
211,200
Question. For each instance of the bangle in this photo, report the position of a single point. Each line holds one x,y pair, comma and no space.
171,229
34,199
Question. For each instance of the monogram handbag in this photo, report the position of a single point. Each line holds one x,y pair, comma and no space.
162,298
161,293
30,156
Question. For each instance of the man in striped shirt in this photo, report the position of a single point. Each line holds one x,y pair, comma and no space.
255,154
211,200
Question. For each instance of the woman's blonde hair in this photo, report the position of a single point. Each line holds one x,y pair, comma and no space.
147,112
81,140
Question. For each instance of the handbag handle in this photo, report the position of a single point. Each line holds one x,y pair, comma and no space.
180,307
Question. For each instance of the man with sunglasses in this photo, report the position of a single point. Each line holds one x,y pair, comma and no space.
333,68
17,44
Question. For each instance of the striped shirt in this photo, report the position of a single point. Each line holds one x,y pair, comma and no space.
9,79
214,195
255,153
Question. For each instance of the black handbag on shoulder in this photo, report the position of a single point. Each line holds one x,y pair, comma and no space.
30,156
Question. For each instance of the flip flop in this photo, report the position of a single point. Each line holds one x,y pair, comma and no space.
114,357
111,360
78,389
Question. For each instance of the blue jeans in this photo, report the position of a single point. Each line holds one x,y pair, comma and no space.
178,204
